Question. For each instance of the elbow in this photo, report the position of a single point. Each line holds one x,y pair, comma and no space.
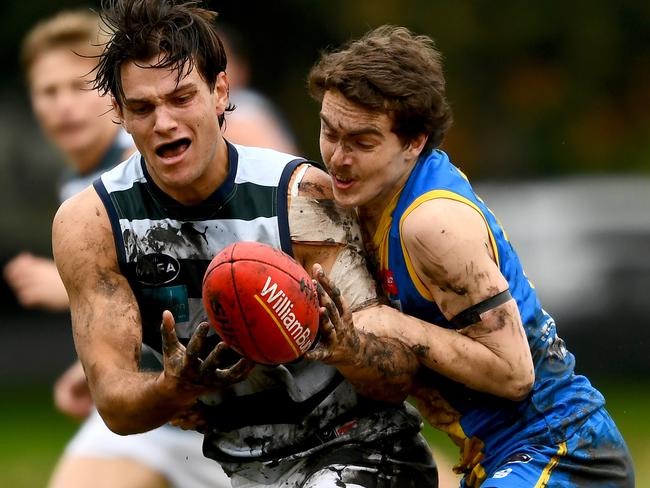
120,430
116,419
519,387
116,423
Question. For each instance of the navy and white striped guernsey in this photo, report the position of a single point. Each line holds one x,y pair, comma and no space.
163,250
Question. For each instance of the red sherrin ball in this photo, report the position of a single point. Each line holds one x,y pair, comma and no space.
261,302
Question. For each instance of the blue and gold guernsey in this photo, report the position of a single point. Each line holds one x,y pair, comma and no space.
164,248
485,427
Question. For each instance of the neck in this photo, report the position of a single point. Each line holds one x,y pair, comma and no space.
88,159
369,217
371,213
195,192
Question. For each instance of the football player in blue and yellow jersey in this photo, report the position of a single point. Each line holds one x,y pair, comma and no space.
491,370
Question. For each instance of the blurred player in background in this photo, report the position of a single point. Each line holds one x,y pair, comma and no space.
255,121
493,372
59,56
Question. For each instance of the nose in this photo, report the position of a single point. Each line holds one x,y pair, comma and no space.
340,154
65,100
164,120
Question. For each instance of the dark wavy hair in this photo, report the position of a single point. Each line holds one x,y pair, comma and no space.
394,71
181,32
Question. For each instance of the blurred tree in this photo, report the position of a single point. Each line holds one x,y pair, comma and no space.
541,88
538,88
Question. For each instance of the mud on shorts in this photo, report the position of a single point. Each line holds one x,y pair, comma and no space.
595,456
403,461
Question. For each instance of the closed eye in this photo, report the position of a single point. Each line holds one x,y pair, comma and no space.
183,99
329,135
365,145
139,109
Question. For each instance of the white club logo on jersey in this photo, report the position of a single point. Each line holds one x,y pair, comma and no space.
156,268
502,473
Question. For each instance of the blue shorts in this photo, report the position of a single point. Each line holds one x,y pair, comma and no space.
595,456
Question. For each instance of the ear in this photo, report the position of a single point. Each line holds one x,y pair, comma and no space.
120,115
221,90
416,145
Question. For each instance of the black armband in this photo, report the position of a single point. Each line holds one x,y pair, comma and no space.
472,314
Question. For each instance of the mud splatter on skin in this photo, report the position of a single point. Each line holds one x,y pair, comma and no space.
105,286
435,271
350,341
420,350
395,363
340,217
501,319
306,288
122,316
316,190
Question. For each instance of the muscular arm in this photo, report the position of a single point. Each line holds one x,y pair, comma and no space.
106,324
449,246
379,367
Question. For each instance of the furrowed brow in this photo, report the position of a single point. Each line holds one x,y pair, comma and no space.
181,88
358,131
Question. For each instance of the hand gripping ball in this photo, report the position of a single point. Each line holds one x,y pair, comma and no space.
261,302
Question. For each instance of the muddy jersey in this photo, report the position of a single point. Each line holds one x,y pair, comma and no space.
479,423
164,249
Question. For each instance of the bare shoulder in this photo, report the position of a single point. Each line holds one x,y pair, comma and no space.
315,183
81,234
449,246
314,215
443,224
83,214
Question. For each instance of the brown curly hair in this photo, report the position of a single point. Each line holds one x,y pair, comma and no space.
394,71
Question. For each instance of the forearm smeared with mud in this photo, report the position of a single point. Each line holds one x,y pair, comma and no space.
379,367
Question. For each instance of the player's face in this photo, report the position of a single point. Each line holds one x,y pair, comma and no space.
175,126
367,162
73,116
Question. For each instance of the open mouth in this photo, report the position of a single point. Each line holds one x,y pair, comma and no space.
342,181
172,149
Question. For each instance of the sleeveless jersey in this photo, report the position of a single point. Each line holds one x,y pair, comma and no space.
483,424
164,249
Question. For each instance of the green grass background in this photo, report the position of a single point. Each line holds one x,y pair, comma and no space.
33,433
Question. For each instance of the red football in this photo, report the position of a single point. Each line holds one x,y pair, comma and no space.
261,302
